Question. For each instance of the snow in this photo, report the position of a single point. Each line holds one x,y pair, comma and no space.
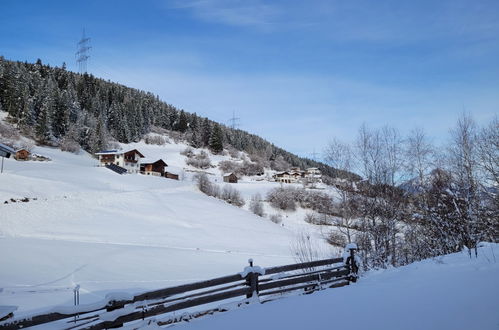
85,225
82,224
451,292
351,246
67,223
250,269
6,310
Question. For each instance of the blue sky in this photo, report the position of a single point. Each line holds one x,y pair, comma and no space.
295,72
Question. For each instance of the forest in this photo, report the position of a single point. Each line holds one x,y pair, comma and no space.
57,107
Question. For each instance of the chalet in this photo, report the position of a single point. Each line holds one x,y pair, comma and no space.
284,177
149,167
22,154
231,178
129,160
313,174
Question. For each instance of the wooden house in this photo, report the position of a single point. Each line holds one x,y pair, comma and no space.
129,160
22,154
157,168
284,177
231,178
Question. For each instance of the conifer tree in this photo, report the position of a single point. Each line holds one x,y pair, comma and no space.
216,139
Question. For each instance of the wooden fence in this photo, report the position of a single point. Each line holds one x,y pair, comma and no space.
253,284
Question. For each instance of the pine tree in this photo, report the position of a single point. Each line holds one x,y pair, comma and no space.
182,122
205,132
216,139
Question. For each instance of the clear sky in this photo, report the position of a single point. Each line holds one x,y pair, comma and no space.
296,72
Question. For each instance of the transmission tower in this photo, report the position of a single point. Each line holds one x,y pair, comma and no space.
314,155
233,122
82,53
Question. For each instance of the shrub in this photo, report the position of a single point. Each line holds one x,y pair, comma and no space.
233,152
276,218
155,139
70,145
189,152
228,166
232,196
282,198
256,205
201,160
250,168
204,184
336,239
8,132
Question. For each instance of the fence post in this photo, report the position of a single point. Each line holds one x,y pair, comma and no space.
252,281
351,263
76,293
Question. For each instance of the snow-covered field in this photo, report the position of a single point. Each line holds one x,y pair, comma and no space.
80,224
450,292
87,225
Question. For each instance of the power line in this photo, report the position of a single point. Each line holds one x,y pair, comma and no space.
82,53
234,121
314,155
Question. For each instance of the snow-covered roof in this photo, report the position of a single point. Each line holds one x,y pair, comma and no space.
118,152
152,161
6,148
110,152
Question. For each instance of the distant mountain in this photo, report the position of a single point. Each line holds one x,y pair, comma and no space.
53,105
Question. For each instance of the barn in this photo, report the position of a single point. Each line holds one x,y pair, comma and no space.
149,167
231,178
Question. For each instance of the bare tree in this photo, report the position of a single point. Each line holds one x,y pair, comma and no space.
464,168
339,155
419,154
488,151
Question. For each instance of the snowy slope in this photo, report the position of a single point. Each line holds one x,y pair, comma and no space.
451,292
87,225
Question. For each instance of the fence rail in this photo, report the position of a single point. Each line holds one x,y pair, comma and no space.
254,282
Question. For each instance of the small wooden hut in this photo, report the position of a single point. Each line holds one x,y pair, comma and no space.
22,154
231,178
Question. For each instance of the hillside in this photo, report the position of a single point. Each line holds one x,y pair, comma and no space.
55,106
66,222
449,292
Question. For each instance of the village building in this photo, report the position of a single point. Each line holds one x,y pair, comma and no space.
149,167
284,177
313,174
22,154
231,178
129,160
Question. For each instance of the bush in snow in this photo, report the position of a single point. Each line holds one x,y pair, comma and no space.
232,196
8,132
233,152
204,184
336,238
201,160
155,139
282,198
228,166
276,218
250,168
70,145
256,205
189,152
